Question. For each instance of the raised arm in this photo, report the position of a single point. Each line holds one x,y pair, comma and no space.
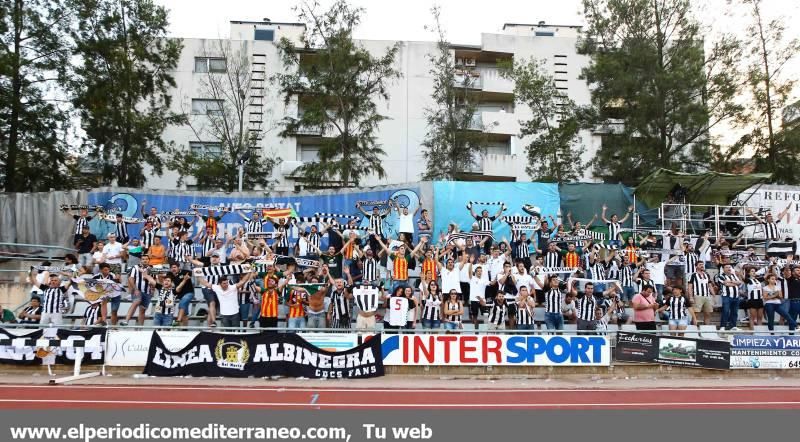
755,215
569,220
361,209
591,221
500,210
784,212
627,215
603,214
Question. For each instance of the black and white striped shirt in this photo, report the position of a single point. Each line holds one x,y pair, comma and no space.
314,238
586,307
367,298
783,284
122,230
771,230
208,245
613,230
148,238
677,307
497,314
371,270
52,299
453,306
598,270
485,222
641,283
521,249
754,289
552,259
700,284
180,250
611,270
139,283
728,292
432,308
553,299
283,240
155,220
81,221
254,225
376,223
690,261
524,315
92,313
339,303
626,275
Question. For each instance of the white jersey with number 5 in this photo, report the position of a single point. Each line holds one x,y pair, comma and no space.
398,311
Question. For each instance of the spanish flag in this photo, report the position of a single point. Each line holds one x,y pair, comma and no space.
279,213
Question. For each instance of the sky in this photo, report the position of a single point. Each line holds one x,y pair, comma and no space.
464,20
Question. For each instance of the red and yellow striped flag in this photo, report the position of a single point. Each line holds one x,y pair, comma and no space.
279,213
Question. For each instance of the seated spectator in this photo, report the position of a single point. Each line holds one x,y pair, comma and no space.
7,316
32,313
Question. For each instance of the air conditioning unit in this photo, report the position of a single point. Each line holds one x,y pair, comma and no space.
459,62
469,62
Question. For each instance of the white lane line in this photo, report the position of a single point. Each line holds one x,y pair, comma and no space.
399,389
353,405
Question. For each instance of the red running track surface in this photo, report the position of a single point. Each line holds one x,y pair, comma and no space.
217,397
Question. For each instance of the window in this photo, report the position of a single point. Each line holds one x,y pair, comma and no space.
308,154
203,106
545,34
206,149
264,34
209,64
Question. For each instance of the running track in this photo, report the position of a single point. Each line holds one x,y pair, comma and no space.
217,397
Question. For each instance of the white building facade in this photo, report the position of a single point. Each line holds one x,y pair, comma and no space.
401,135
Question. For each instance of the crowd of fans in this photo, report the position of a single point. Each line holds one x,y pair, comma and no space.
362,277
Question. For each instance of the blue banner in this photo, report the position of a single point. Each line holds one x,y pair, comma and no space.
766,342
451,198
130,205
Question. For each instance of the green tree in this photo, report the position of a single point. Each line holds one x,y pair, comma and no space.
455,139
122,82
655,86
34,123
336,82
229,81
554,151
767,51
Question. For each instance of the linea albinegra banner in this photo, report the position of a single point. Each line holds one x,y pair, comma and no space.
261,355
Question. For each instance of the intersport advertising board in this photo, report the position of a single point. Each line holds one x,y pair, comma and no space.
483,350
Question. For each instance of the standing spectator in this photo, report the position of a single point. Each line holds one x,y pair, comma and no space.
166,298
497,314
729,285
755,301
339,310
114,295
477,293
133,251
680,310
453,311
297,300
405,224
112,253
525,310
254,224
32,313
184,291
228,296
157,252
485,222
413,308
794,293
644,309
700,291
431,301
615,225
316,310
84,245
586,305
281,230
424,224
140,290
55,296
80,220
554,297
772,303
211,221
147,236
270,299
37,278
450,274
152,217
376,219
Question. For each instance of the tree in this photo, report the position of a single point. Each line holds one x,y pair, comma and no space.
768,50
336,81
122,85
34,55
554,151
455,138
228,82
651,78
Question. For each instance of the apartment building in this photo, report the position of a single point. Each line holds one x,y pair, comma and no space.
402,133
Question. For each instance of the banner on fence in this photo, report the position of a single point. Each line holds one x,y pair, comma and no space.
260,355
130,204
128,348
482,350
768,352
20,346
669,350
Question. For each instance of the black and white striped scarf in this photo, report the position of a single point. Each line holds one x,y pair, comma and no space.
233,269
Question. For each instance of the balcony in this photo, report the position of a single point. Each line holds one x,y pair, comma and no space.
613,126
468,80
500,123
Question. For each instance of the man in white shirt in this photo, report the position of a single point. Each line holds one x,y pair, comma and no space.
113,254
406,222
657,266
451,275
477,292
228,296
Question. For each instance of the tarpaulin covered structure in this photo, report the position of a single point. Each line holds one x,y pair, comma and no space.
712,188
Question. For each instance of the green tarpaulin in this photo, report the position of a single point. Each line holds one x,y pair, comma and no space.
583,200
701,188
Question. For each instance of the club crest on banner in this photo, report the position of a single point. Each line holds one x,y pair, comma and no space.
233,355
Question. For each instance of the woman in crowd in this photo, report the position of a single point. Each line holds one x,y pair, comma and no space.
755,301
431,303
773,298
453,311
